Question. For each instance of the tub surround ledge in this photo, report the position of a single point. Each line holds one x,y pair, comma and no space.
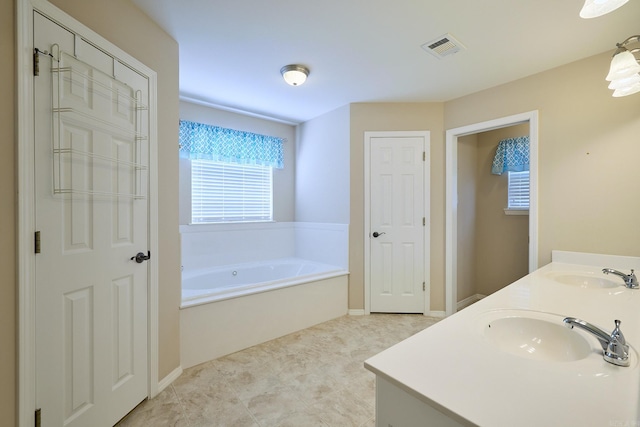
451,375
235,281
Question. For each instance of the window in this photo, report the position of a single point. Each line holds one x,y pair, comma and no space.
518,193
224,192
231,172
512,156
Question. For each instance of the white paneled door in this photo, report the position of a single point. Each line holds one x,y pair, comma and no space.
397,223
91,158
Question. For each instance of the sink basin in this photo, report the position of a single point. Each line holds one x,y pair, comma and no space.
584,280
537,336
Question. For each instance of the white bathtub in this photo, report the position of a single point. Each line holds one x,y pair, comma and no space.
222,313
202,286
267,299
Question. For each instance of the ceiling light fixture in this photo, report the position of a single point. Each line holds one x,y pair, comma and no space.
595,8
294,74
625,68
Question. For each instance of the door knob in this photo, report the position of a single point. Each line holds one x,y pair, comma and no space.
140,256
376,234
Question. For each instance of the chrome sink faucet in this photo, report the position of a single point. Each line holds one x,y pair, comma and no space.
614,346
630,280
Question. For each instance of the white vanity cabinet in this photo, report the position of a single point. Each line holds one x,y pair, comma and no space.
398,408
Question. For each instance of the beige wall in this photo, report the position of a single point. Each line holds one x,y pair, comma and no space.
492,247
502,244
588,154
322,168
467,225
127,27
587,187
8,324
393,117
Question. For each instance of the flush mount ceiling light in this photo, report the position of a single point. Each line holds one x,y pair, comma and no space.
625,68
294,74
595,8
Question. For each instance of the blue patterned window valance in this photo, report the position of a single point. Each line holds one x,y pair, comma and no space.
199,141
512,155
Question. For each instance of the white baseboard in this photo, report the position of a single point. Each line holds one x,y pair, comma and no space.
356,312
437,314
468,301
166,381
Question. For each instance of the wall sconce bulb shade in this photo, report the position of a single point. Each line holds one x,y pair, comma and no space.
623,65
626,91
626,82
595,8
294,74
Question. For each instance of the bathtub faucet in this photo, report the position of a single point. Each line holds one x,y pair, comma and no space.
630,280
614,346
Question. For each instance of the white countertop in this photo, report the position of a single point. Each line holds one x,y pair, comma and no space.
455,369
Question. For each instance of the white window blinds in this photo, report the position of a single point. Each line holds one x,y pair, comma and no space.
518,192
222,192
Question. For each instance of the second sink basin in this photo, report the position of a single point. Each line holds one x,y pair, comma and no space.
584,280
537,336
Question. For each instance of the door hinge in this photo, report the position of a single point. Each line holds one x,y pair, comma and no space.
424,286
424,156
424,221
36,242
38,417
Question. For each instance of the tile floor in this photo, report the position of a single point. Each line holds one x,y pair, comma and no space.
314,377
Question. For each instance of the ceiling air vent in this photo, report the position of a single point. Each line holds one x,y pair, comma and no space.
443,46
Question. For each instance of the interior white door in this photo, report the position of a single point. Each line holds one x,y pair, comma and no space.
91,161
397,221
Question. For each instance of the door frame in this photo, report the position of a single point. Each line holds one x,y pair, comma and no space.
26,395
367,209
451,240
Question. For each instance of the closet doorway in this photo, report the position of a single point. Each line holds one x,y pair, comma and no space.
487,246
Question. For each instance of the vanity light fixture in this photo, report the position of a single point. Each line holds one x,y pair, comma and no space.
625,68
595,8
294,74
